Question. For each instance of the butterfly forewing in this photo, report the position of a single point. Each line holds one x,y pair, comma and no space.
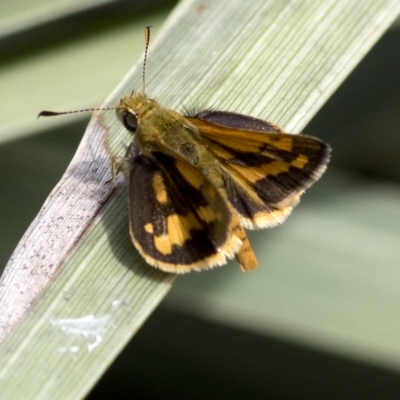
266,171
171,232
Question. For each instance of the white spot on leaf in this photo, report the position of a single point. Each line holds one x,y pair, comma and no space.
88,327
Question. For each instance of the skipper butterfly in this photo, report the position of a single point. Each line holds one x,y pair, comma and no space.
197,181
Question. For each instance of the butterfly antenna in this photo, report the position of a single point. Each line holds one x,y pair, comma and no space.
146,41
54,113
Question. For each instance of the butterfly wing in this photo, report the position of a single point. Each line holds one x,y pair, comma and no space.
179,221
266,170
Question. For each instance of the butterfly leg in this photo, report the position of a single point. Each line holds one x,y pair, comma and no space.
118,164
245,256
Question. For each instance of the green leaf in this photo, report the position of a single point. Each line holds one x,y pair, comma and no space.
75,289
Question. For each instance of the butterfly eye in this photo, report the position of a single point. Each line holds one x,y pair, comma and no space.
130,121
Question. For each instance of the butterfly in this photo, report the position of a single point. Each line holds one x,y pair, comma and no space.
198,181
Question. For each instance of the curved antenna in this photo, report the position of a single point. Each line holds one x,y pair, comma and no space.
146,41
55,113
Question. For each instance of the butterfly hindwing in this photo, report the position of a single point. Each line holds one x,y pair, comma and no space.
178,219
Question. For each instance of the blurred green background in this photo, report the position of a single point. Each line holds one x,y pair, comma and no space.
332,286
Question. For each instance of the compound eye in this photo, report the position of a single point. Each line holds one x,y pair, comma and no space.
130,121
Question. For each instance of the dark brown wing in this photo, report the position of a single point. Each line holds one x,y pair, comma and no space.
179,221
